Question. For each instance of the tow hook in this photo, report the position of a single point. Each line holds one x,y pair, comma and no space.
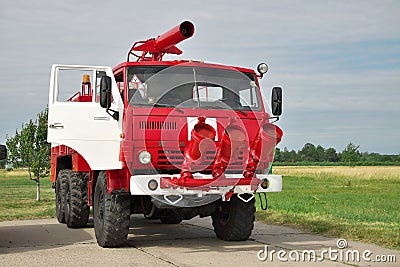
245,197
173,199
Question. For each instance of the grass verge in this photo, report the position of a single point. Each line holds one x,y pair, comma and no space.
18,197
359,203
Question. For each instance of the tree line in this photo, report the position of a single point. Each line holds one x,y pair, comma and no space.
350,155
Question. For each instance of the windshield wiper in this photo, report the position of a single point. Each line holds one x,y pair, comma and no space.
217,107
168,106
209,106
158,105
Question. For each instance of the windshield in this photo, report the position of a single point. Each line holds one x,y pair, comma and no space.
192,87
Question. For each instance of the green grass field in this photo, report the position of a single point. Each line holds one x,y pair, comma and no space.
360,203
18,197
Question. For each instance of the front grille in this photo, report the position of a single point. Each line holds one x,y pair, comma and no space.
157,125
169,158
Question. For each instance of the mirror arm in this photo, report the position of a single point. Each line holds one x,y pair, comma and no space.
114,115
275,117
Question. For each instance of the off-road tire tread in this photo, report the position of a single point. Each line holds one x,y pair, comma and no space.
79,208
60,192
240,223
115,228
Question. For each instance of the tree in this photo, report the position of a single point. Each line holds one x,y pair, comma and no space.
292,156
41,154
350,153
30,149
27,145
278,155
287,156
320,153
308,153
331,155
12,144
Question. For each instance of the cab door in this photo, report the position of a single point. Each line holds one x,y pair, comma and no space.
76,118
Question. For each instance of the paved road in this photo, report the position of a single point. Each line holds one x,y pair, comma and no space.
150,243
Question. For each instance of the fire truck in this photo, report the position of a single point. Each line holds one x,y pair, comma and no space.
170,139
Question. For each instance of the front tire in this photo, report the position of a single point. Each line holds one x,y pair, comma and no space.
76,206
234,220
111,214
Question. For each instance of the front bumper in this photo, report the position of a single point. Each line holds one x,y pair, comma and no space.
139,185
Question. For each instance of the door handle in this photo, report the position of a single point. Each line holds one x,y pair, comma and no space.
101,118
56,125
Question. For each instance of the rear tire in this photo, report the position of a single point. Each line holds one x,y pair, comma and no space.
111,214
76,208
234,220
60,195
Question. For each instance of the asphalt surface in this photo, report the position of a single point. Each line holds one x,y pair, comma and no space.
191,243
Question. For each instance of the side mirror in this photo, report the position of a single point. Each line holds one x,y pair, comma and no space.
3,152
276,101
105,92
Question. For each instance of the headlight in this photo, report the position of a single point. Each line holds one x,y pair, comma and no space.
144,157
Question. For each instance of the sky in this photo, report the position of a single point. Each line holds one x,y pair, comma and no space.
338,62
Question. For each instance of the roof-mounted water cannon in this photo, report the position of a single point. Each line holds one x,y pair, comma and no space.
163,44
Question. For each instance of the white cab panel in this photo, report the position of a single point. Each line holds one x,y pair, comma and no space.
85,126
